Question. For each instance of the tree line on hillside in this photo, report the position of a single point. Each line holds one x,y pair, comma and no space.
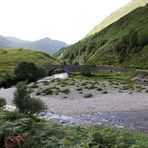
130,43
79,53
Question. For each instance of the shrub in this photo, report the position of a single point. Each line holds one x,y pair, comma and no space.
45,82
2,103
47,91
92,87
29,71
12,116
104,92
38,93
65,97
65,91
8,80
34,86
79,89
41,72
88,70
35,106
88,95
97,140
83,84
99,89
24,102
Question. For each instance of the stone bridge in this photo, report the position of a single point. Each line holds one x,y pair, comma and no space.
77,68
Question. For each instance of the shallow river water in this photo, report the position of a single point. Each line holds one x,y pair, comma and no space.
137,121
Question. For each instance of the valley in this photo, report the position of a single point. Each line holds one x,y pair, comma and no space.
91,94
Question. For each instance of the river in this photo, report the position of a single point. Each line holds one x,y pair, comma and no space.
129,120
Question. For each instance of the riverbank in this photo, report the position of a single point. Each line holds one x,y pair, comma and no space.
100,103
81,95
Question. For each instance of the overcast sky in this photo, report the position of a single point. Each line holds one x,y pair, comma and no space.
65,20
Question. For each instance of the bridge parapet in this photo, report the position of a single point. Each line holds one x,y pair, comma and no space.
77,68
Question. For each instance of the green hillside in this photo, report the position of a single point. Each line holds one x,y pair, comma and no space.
118,14
123,43
9,58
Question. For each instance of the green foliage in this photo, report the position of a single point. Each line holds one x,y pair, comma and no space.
29,71
20,96
35,106
99,89
47,91
104,92
133,40
24,102
88,70
41,72
88,95
41,133
122,43
10,58
79,89
143,39
7,80
2,103
34,86
12,116
65,91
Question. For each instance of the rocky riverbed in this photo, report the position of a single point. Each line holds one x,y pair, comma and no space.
111,104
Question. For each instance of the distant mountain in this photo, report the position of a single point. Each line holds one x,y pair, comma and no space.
123,43
46,44
117,15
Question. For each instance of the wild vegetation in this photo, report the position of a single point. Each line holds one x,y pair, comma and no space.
87,86
2,103
123,43
10,58
25,103
20,130
24,71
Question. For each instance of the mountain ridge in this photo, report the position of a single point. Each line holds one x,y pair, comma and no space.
123,43
45,44
115,16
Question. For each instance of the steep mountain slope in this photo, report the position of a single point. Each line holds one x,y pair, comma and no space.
117,15
10,58
46,44
124,42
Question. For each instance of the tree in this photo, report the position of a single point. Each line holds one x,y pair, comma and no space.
7,80
133,41
143,39
29,71
42,72
24,102
2,103
121,47
88,70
